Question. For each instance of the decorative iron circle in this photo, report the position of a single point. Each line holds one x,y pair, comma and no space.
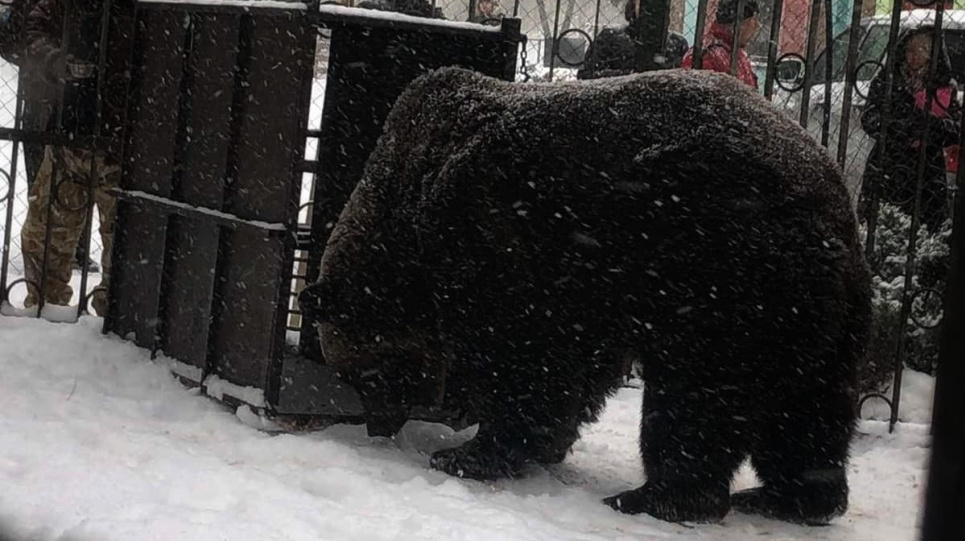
29,284
89,296
923,3
799,86
857,70
869,397
556,46
302,207
924,291
62,204
9,192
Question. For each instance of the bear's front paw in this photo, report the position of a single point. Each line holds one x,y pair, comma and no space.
475,461
631,502
673,503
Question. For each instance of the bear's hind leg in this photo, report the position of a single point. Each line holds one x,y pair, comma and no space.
692,441
801,456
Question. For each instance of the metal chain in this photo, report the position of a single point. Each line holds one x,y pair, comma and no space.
524,68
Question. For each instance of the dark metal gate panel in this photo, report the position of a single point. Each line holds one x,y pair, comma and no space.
201,152
209,190
274,107
152,127
372,59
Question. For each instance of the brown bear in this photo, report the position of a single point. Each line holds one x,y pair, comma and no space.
508,244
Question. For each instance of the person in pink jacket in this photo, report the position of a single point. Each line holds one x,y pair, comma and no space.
719,42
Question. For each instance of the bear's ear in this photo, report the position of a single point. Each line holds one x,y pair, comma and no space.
316,301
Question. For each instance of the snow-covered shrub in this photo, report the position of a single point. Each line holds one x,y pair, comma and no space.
888,266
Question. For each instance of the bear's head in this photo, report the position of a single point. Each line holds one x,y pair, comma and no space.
376,315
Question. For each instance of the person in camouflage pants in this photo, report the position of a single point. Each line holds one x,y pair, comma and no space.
63,38
59,199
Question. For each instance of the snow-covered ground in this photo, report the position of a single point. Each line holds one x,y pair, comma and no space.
99,443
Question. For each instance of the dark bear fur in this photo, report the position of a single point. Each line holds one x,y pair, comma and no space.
509,244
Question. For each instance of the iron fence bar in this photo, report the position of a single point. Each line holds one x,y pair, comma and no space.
92,173
11,198
328,19
555,48
230,8
828,75
51,197
851,80
596,20
516,9
907,292
472,10
185,104
809,63
284,300
698,57
872,223
772,47
306,258
239,101
50,138
735,36
134,52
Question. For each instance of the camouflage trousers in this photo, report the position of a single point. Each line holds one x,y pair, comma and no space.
59,198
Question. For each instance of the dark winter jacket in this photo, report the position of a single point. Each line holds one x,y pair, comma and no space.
892,170
39,96
47,39
614,50
718,47
12,36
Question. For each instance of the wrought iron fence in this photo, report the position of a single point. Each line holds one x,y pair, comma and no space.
815,60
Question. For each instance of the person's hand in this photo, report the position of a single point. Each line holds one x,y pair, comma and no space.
63,67
80,70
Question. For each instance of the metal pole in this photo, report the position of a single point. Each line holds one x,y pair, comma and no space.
92,178
828,75
851,78
809,63
735,36
773,44
556,45
596,19
699,34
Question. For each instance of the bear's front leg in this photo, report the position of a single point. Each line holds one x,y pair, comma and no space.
483,458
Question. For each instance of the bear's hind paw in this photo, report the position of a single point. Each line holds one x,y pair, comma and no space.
814,509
